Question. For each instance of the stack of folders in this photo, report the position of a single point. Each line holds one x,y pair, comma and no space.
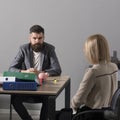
19,81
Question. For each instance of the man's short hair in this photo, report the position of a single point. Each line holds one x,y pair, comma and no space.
37,29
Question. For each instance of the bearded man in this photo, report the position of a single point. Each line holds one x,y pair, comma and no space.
37,57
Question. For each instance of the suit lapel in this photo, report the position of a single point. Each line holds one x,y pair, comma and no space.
31,58
41,60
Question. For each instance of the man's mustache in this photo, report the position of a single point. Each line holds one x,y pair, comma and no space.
37,47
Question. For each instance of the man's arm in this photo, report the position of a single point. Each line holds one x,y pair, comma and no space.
17,63
54,68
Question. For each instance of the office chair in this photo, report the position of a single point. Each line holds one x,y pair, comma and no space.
109,113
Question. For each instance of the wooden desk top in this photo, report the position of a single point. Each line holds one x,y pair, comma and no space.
52,86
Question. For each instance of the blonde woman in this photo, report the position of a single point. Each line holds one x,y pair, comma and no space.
100,81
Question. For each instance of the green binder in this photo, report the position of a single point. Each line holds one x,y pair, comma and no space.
20,75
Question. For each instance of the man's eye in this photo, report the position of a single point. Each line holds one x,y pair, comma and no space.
40,38
34,38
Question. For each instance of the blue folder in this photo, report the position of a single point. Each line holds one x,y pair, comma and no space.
20,86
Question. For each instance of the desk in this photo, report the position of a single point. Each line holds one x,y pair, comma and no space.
49,88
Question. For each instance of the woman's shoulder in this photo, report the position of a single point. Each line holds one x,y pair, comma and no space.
90,71
113,65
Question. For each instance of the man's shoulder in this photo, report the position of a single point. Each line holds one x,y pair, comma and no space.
25,46
48,46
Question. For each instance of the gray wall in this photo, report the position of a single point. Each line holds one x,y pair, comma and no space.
67,24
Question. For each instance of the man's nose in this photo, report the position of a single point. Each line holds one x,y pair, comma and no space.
37,40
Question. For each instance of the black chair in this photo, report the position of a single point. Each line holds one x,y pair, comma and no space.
110,113
64,114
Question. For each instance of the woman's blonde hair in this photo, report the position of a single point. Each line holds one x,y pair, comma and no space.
97,49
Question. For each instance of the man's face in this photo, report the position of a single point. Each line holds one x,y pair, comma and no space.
36,40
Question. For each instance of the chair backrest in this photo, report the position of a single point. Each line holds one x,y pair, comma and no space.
115,103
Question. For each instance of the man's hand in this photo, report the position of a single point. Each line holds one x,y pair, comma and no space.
42,76
31,70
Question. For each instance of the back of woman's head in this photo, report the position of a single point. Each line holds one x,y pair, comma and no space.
97,49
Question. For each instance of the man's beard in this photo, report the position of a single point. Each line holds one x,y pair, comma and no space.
37,47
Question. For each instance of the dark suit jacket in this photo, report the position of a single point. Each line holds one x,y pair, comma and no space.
49,60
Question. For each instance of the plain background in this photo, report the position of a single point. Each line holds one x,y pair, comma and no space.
67,24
